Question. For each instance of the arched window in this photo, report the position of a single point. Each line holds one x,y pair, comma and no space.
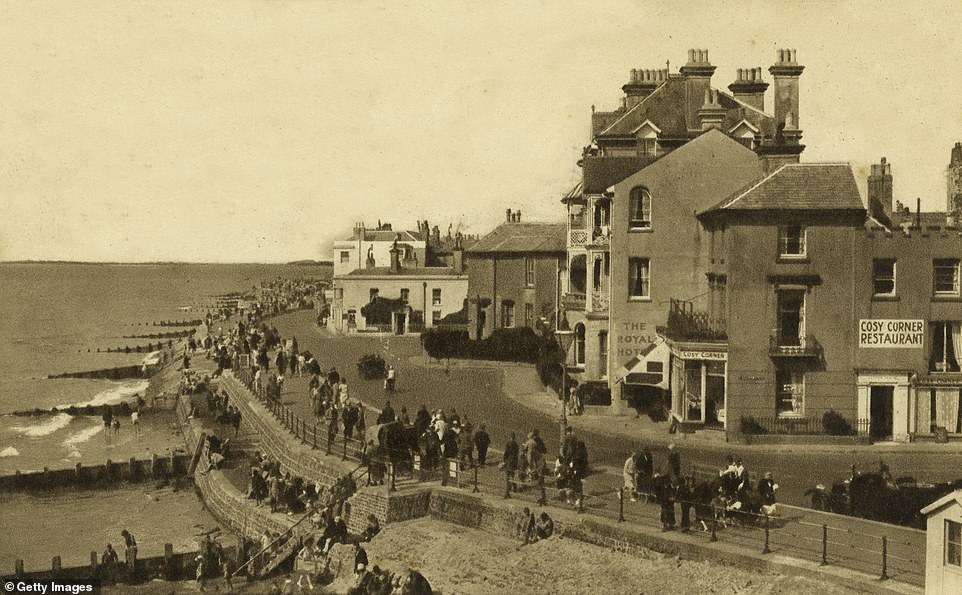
639,209
579,344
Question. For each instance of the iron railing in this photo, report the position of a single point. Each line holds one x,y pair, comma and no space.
687,324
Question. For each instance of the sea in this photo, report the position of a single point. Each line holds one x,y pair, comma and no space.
55,316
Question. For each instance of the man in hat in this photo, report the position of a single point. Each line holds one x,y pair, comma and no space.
766,490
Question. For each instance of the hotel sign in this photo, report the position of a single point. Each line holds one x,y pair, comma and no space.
891,334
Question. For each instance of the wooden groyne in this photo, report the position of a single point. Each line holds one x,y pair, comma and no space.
106,474
170,335
121,373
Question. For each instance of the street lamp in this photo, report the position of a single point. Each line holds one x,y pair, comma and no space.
564,337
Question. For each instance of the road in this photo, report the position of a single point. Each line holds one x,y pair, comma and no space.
476,393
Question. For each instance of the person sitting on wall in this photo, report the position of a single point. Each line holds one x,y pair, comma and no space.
544,528
108,565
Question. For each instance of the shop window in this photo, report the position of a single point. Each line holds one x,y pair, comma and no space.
953,543
791,241
639,209
790,392
579,344
345,256
435,297
639,278
883,276
791,318
507,314
945,276
529,272
946,346
405,293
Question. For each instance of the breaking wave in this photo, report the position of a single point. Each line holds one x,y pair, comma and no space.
113,395
58,422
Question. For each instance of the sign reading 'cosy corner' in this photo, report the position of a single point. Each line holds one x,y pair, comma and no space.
891,334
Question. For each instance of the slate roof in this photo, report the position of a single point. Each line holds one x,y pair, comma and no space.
799,186
675,112
523,238
600,173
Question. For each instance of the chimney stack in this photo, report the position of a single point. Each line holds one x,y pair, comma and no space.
395,258
697,73
750,88
507,215
457,255
786,72
712,114
641,84
880,192
436,237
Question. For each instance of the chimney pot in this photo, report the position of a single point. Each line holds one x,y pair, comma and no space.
518,216
691,56
741,74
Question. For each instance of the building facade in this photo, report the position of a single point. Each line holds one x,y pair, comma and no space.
516,276
627,240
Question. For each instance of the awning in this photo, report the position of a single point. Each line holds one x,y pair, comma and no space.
648,368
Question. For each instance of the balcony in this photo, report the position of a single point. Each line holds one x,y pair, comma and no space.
600,236
574,301
577,238
599,301
799,347
687,324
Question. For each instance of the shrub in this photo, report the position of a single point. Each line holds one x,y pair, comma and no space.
835,424
371,367
749,425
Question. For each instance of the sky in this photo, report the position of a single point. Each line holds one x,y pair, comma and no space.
261,131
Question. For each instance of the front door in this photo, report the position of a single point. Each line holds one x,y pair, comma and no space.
882,398
399,320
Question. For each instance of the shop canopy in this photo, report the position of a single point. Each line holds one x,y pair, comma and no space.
649,367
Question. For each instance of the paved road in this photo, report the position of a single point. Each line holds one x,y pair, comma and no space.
476,393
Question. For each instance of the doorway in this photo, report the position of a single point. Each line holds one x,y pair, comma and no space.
399,320
881,412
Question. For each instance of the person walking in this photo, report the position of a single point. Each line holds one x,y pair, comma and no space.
674,462
664,496
629,473
130,552
481,442
510,458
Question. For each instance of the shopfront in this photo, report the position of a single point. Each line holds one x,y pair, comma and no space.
699,377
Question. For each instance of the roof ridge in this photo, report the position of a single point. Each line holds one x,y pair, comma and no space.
741,193
634,107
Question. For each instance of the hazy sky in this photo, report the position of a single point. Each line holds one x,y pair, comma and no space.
259,131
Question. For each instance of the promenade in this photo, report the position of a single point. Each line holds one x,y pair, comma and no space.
835,542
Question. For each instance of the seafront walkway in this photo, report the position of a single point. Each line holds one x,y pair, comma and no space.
871,550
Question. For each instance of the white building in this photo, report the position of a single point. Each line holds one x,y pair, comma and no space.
943,544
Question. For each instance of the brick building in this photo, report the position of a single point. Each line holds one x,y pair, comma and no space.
516,275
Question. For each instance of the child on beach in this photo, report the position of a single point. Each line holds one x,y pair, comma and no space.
116,425
135,422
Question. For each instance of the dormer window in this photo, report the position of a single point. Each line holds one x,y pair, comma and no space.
647,135
744,132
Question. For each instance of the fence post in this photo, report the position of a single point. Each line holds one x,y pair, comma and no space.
393,473
766,550
330,439
315,436
885,548
543,498
344,455
714,522
621,505
444,471
476,490
824,545
507,484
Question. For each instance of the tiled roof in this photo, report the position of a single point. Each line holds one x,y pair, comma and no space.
675,112
600,173
404,272
523,238
799,186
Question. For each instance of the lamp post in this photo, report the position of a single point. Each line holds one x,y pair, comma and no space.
564,337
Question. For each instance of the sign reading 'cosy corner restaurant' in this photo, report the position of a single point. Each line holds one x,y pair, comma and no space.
891,334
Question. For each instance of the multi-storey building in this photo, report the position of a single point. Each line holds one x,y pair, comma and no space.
631,233
516,276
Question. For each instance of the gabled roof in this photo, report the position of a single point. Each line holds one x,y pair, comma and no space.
949,498
799,186
671,108
522,238
600,173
